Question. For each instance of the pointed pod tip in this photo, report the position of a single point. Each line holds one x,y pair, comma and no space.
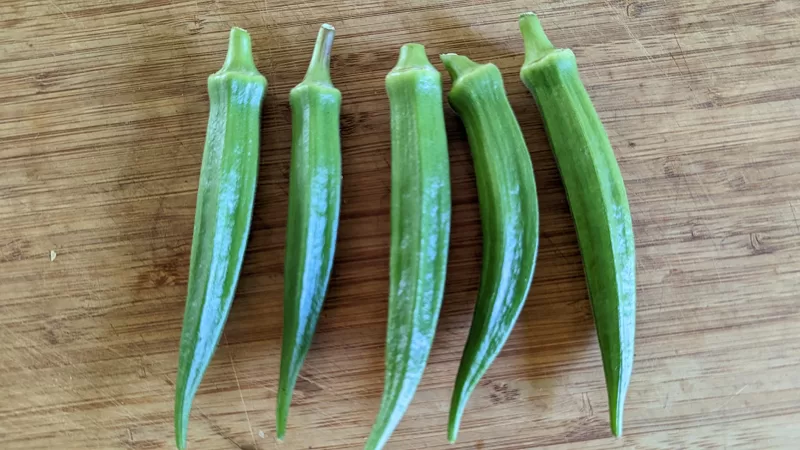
617,389
457,405
180,441
374,441
282,408
391,412
280,427
452,436
181,422
616,425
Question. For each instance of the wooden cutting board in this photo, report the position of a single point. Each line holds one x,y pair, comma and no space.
102,120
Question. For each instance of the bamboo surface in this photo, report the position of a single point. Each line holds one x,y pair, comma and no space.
102,123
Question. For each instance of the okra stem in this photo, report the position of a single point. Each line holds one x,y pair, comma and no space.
240,53
537,45
458,65
319,70
412,56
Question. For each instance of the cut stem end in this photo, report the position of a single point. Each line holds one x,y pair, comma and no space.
457,65
412,56
537,45
240,53
319,69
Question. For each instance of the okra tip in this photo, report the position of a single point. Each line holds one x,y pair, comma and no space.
537,45
457,65
616,427
240,53
183,405
616,420
452,430
180,433
461,395
319,69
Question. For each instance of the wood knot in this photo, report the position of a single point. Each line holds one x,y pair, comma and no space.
502,393
196,25
738,183
352,121
45,80
672,167
15,250
757,244
160,276
635,9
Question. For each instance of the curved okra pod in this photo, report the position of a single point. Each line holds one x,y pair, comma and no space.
597,198
315,182
509,218
222,219
420,217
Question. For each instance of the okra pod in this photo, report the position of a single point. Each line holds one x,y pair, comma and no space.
222,219
315,181
420,221
509,218
597,198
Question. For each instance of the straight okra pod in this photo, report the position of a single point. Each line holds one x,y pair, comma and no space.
222,219
509,218
420,221
315,181
597,198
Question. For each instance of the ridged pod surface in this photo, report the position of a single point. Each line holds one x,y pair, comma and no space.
315,185
420,221
222,219
597,198
509,218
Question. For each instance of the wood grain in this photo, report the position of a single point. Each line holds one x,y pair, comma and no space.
102,122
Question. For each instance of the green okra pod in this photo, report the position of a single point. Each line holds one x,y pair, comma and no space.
509,218
315,182
420,221
597,198
222,219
